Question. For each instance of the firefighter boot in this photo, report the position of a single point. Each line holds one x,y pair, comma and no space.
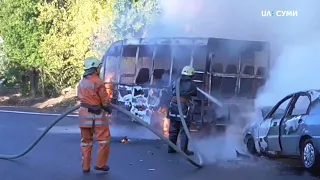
86,171
184,145
104,168
189,153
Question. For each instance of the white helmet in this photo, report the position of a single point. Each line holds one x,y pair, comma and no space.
188,71
92,62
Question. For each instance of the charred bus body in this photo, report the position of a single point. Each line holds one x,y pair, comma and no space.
139,72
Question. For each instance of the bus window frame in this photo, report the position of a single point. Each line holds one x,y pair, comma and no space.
122,58
105,59
155,51
138,58
110,53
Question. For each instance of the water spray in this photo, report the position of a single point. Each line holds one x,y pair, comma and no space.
211,98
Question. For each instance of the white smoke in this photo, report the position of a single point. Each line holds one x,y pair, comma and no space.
296,66
217,147
294,41
237,20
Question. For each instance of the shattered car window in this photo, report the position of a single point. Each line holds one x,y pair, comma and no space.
315,107
281,109
301,105
279,113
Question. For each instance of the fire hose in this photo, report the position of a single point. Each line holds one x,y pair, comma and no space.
186,129
175,147
32,145
60,117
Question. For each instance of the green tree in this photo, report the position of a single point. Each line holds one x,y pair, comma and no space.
2,60
2,57
74,25
52,38
22,36
134,16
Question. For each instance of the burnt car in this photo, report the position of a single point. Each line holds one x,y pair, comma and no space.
290,129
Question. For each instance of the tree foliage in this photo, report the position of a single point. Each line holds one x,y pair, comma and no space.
132,17
22,36
2,58
21,33
70,38
54,37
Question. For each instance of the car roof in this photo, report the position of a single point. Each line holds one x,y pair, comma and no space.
314,93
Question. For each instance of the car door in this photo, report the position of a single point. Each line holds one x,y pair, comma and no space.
293,124
269,130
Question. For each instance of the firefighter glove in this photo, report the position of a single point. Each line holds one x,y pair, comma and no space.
108,109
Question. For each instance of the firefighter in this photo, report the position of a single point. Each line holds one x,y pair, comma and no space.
187,90
93,116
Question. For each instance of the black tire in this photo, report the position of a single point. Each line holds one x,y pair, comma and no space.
310,151
250,145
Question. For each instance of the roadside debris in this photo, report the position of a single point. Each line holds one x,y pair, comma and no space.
150,152
240,155
125,140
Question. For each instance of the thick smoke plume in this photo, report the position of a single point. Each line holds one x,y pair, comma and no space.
294,42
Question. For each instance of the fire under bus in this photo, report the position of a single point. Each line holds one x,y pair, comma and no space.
138,74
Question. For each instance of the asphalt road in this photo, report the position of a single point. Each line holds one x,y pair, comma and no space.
58,156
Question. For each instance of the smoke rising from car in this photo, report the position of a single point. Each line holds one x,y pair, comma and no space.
296,66
216,146
293,40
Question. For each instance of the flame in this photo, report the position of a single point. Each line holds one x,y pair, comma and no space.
165,121
125,140
108,85
108,78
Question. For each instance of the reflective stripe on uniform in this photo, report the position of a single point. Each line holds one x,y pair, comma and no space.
86,144
103,142
86,119
104,122
176,115
91,116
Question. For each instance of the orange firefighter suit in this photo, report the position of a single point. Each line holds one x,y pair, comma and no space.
94,121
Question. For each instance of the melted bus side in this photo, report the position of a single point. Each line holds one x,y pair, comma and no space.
138,75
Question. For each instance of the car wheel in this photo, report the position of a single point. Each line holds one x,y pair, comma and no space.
250,145
310,156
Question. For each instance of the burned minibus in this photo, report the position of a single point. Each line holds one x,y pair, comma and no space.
138,74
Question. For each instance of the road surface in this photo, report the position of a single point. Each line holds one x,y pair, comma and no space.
58,156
